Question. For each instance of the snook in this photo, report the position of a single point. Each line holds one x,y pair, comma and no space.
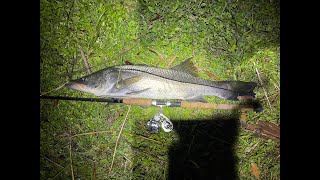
140,81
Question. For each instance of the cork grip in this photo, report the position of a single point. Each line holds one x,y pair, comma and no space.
199,105
139,102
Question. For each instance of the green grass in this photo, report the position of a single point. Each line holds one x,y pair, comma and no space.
231,39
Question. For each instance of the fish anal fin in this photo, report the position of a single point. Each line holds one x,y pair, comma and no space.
197,99
126,82
187,66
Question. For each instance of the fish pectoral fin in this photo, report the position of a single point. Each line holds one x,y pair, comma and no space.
187,66
126,82
197,99
137,92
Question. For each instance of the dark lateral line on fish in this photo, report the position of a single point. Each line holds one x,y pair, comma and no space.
175,80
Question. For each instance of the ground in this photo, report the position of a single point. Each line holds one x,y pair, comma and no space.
234,40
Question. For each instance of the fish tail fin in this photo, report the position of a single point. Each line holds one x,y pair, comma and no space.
232,89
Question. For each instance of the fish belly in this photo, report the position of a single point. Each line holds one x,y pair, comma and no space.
160,88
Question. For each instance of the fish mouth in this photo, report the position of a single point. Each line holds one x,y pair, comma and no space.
77,85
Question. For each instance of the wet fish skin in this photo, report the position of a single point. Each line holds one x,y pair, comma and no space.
179,82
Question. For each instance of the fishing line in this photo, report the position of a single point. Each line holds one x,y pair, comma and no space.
41,94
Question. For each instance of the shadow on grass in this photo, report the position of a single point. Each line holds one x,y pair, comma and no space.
205,149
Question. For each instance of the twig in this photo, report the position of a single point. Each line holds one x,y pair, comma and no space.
70,156
58,173
85,61
94,171
169,64
212,75
264,90
194,163
275,85
252,147
115,148
272,96
125,166
156,62
51,161
89,133
143,137
41,94
208,73
159,54
127,159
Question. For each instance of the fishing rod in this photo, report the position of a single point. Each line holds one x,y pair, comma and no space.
151,102
160,119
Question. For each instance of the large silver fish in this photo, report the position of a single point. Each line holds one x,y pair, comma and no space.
141,81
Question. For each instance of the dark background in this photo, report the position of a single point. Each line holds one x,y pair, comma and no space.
205,149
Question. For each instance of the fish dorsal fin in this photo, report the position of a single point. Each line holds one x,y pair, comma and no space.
187,66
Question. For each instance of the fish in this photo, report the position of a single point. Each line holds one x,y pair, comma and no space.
180,82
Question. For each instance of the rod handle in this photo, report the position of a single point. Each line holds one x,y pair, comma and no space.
139,102
200,105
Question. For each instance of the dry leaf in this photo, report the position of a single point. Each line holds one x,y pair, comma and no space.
255,170
269,130
56,103
248,127
211,75
208,73
171,61
128,63
242,174
243,116
249,149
